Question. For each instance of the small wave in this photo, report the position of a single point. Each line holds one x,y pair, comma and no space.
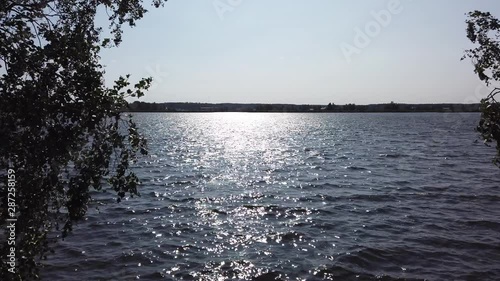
182,200
277,211
484,224
231,270
287,237
180,183
337,272
396,155
270,276
447,243
356,168
317,186
208,213
354,197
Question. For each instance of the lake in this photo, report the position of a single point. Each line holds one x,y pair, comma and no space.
242,196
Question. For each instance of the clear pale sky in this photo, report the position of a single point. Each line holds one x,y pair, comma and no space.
293,51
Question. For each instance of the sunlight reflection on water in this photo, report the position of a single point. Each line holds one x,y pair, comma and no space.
230,196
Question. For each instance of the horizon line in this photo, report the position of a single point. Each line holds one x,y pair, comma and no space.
277,103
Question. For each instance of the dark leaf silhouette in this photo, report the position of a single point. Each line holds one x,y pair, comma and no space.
483,29
61,129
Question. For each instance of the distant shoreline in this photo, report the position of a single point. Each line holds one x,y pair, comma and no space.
311,112
188,107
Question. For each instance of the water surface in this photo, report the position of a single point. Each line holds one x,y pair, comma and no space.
242,196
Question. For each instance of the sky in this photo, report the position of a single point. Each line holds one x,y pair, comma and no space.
303,52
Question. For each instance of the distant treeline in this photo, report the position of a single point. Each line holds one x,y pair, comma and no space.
250,107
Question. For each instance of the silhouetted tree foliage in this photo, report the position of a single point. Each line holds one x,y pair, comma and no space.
350,107
391,106
330,106
62,130
483,29
138,106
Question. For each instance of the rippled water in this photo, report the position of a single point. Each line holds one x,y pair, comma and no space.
241,196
